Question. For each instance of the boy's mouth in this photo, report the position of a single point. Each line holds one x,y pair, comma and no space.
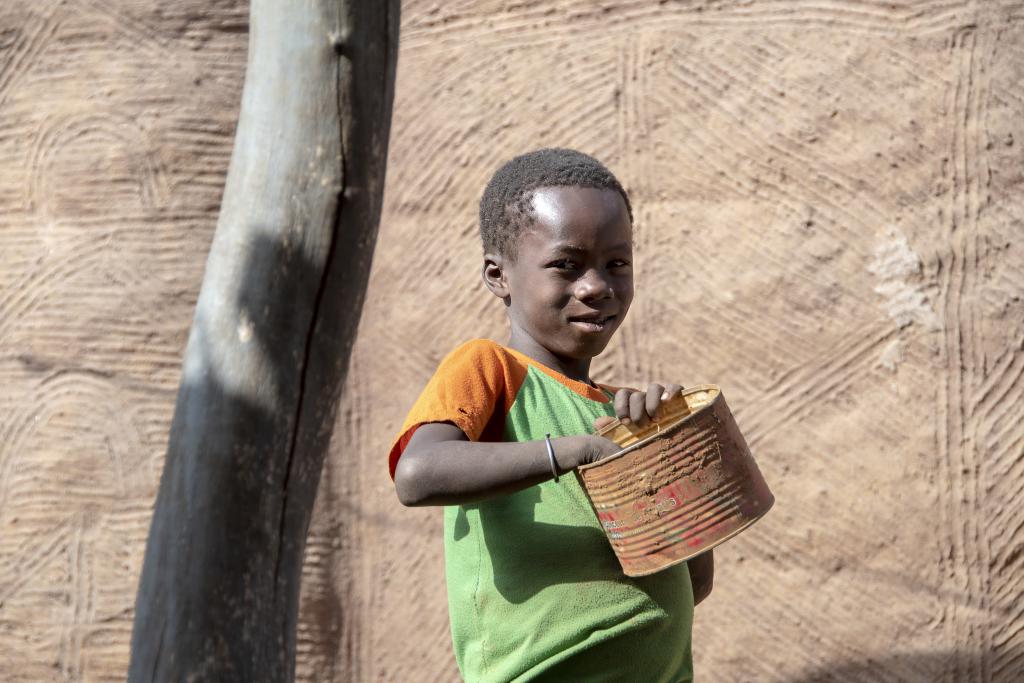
591,323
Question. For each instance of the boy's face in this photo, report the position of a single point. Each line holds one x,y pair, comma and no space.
571,281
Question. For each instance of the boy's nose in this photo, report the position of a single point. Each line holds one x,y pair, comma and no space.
593,286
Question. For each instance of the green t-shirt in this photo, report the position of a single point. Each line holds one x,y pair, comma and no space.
535,592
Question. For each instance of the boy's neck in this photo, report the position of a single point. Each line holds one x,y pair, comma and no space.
572,368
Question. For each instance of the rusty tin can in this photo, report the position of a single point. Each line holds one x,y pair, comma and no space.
681,485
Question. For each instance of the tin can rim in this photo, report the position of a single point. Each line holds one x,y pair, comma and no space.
671,426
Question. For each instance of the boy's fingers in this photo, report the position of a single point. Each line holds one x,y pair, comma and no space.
622,405
636,408
655,394
671,391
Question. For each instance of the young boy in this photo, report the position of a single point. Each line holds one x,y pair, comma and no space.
534,590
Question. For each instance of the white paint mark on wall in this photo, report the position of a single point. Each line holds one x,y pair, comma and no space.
892,355
898,270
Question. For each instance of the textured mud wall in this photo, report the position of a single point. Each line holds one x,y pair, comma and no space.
830,205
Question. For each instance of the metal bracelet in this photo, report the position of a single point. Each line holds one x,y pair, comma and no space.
551,457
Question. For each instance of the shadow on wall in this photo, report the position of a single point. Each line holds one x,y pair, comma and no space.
931,667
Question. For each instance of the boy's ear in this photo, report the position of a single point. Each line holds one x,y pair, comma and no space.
494,275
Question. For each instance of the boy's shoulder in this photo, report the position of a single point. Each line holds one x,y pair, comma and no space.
479,355
499,367
475,381
476,347
482,363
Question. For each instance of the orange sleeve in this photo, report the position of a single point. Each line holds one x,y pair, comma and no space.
474,384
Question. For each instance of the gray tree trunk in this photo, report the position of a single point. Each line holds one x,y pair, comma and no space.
269,347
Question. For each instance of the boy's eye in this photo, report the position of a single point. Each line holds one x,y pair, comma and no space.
563,264
619,263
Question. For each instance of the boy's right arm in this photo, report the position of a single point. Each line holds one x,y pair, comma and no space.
441,466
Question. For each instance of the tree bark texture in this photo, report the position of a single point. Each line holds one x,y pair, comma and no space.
268,351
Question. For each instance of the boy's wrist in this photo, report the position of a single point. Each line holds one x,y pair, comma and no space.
566,451
552,461
573,451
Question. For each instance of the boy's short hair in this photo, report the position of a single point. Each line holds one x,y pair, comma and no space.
506,206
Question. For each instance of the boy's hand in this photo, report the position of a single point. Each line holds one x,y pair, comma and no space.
585,449
639,407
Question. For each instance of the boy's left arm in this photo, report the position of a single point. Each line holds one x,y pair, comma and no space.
702,575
